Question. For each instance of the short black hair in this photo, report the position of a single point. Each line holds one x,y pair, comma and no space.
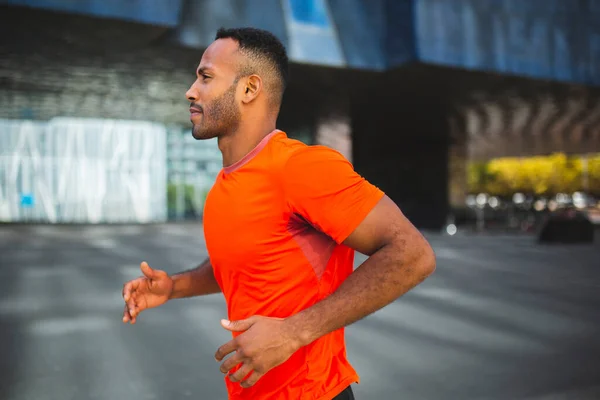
263,46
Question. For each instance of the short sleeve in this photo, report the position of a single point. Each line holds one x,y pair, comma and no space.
321,186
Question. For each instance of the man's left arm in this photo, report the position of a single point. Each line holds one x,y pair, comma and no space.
323,188
399,259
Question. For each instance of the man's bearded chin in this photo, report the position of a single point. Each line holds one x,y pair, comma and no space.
200,133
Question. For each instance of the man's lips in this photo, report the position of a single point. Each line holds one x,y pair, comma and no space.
195,111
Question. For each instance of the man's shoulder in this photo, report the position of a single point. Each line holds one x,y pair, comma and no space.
292,151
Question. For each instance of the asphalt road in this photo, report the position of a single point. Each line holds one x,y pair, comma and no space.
502,318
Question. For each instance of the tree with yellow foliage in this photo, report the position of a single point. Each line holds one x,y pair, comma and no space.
538,175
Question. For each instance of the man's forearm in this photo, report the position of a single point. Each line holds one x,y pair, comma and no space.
196,282
381,279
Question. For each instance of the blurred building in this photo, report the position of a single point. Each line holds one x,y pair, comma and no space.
406,89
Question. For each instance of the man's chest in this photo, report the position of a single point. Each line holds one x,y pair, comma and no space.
246,220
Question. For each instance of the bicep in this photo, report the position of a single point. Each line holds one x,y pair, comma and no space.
385,225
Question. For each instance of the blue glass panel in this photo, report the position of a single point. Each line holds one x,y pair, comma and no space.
162,12
311,12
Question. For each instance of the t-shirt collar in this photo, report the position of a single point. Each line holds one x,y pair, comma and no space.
244,160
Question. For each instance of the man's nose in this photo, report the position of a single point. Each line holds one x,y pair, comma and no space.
192,94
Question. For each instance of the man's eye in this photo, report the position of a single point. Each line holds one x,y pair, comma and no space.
205,77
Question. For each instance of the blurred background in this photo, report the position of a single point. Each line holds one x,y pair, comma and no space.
480,118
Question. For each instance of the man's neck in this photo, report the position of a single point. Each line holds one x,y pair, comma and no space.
236,145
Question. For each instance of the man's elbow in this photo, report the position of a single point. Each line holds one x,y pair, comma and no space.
426,262
429,262
420,260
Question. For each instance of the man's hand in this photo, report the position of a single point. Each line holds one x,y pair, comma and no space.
151,290
265,344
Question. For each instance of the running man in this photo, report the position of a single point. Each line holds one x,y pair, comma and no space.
282,222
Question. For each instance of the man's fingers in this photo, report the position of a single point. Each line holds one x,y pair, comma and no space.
238,326
252,379
240,373
131,305
129,288
135,309
231,362
126,316
226,349
146,270
127,291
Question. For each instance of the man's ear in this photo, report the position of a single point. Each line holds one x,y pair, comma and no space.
252,88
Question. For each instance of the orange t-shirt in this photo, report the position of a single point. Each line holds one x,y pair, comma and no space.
274,223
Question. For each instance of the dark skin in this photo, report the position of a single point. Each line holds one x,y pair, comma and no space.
236,111
155,288
399,256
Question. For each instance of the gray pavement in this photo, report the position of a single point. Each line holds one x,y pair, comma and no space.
502,318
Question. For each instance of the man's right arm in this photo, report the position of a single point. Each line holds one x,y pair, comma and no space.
196,282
